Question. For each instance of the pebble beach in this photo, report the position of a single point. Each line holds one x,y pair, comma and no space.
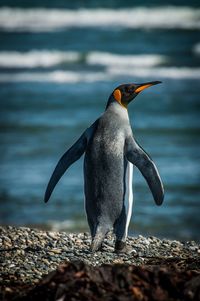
26,255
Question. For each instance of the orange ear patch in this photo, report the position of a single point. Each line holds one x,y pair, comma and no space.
117,95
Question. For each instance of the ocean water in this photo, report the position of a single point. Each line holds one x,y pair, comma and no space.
59,62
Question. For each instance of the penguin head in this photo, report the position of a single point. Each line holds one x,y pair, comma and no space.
125,93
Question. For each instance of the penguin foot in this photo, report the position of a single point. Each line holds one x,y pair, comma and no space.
95,246
120,247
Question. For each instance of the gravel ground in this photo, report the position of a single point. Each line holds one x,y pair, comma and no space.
28,254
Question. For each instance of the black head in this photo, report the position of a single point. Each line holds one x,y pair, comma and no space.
125,93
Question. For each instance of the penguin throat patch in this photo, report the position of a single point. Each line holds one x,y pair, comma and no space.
118,97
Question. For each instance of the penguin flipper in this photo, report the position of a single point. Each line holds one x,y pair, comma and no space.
137,156
69,157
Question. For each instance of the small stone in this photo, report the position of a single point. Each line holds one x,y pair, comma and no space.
7,245
146,242
52,235
165,244
133,252
45,261
117,261
7,239
8,290
78,241
68,254
87,241
140,236
56,251
11,265
109,243
193,248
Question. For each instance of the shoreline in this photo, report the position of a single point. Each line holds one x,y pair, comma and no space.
28,255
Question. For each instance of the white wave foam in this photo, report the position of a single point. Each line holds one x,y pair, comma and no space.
110,59
36,58
111,73
196,49
165,72
44,58
54,76
61,226
39,20
66,225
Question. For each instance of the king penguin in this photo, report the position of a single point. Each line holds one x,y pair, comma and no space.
110,153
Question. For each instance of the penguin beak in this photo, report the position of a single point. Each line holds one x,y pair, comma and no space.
141,87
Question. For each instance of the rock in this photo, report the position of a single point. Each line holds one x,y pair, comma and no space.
56,251
52,235
193,248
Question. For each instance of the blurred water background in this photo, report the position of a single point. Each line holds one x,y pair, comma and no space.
59,62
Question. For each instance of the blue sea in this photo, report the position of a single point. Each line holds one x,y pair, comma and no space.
59,62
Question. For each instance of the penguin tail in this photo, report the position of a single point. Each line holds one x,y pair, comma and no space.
98,239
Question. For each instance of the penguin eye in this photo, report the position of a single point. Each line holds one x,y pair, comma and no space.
126,90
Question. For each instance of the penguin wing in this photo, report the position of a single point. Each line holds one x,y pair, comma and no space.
71,155
137,156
